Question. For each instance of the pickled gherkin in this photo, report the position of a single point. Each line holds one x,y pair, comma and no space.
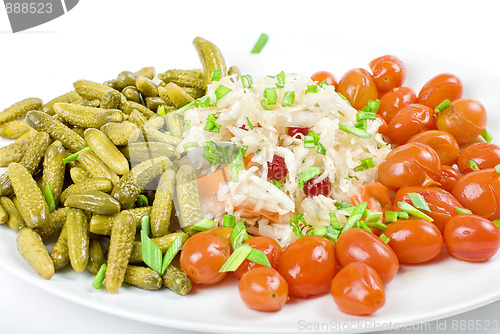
54,169
111,100
177,95
87,117
149,72
14,129
187,78
132,94
79,174
188,198
13,152
177,280
102,224
163,204
140,151
129,106
211,58
126,78
31,247
71,97
143,277
163,242
96,255
102,146
55,224
77,226
91,90
119,133
146,87
100,184
15,222
20,109
60,253
96,167
93,201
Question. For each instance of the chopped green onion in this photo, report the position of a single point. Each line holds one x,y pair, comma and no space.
99,277
258,257
203,101
239,235
419,201
332,233
487,136
161,110
187,125
280,80
373,217
250,125
379,140
473,165
311,89
496,222
403,215
319,231
334,221
365,164
236,259
229,221
324,83
311,140
270,95
497,168
356,215
49,197
342,205
183,109
344,98
411,210
288,99
171,252
362,224
442,106
363,115
264,104
221,91
355,131
321,149
371,107
74,156
278,184
361,124
151,253
259,45
203,225
212,125
189,145
384,238
246,80
390,216
216,74
142,201
378,225
308,174
294,223
463,211
167,133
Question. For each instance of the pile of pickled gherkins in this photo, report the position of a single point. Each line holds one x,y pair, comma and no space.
86,168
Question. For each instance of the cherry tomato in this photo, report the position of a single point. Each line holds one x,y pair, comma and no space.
465,119
357,244
382,129
410,120
388,71
449,178
393,100
292,131
313,187
410,165
357,289
479,191
321,76
263,289
308,264
358,87
269,246
442,142
471,238
276,169
375,194
441,203
485,155
203,255
439,88
414,240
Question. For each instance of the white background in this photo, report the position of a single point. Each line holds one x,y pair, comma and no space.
98,39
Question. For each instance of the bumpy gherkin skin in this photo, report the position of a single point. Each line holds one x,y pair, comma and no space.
163,242
87,117
13,152
100,184
60,253
143,277
96,168
15,221
119,133
96,255
54,169
177,95
149,72
163,204
102,146
129,106
91,90
93,201
177,280
120,247
77,225
102,224
79,174
111,100
14,129
31,247
20,109
140,151
146,86
55,224
184,78
188,197
71,97
211,58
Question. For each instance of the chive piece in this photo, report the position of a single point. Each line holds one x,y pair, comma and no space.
259,45
270,95
288,99
363,115
264,104
342,205
280,83
334,222
161,111
379,140
384,238
151,253
362,124
403,215
221,91
187,125
371,107
74,156
229,221
250,125
332,233
419,201
321,149
373,217
307,174
171,252
319,231
362,224
278,184
497,168
258,257
463,211
487,136
311,140
203,225
239,235
99,277
356,215
323,83
311,89
189,145
49,197
216,75
246,80
411,210
294,223
355,131
344,98
378,225
442,106
183,109
390,216
496,222
212,125
141,201
236,259
365,164
473,165
203,101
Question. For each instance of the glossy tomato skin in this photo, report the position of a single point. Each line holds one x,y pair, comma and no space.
442,142
486,155
263,289
358,87
392,101
465,119
410,165
471,238
269,246
308,265
357,289
388,72
357,244
203,255
321,76
479,191
414,240
449,178
376,195
441,203
410,120
439,88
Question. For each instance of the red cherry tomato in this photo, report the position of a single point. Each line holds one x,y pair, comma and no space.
358,87
393,100
313,187
321,76
471,238
375,194
357,244
308,265
414,240
382,129
442,142
203,255
388,71
439,88
357,289
449,178
269,246
276,169
263,289
485,155
410,120
410,165
479,191
465,119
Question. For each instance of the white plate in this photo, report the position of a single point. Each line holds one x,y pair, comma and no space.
418,294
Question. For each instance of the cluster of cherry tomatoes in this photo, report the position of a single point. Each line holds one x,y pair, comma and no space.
432,134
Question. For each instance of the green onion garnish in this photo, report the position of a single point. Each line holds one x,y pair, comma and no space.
487,136
371,107
442,106
99,277
49,197
278,184
151,253
294,223
355,131
356,215
280,83
363,115
183,109
365,164
229,221
203,101
189,145
311,89
259,45
321,149
412,211
203,225
334,221
187,125
311,140
378,225
246,80
384,238
250,125
362,124
239,235
221,91
324,83
390,216
496,222
379,140
270,95
473,165
463,211
216,75
264,104
288,99
172,250
373,217
212,125
344,98
342,205
74,156
419,201
497,168
142,201
259,257
308,174
161,110
236,259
